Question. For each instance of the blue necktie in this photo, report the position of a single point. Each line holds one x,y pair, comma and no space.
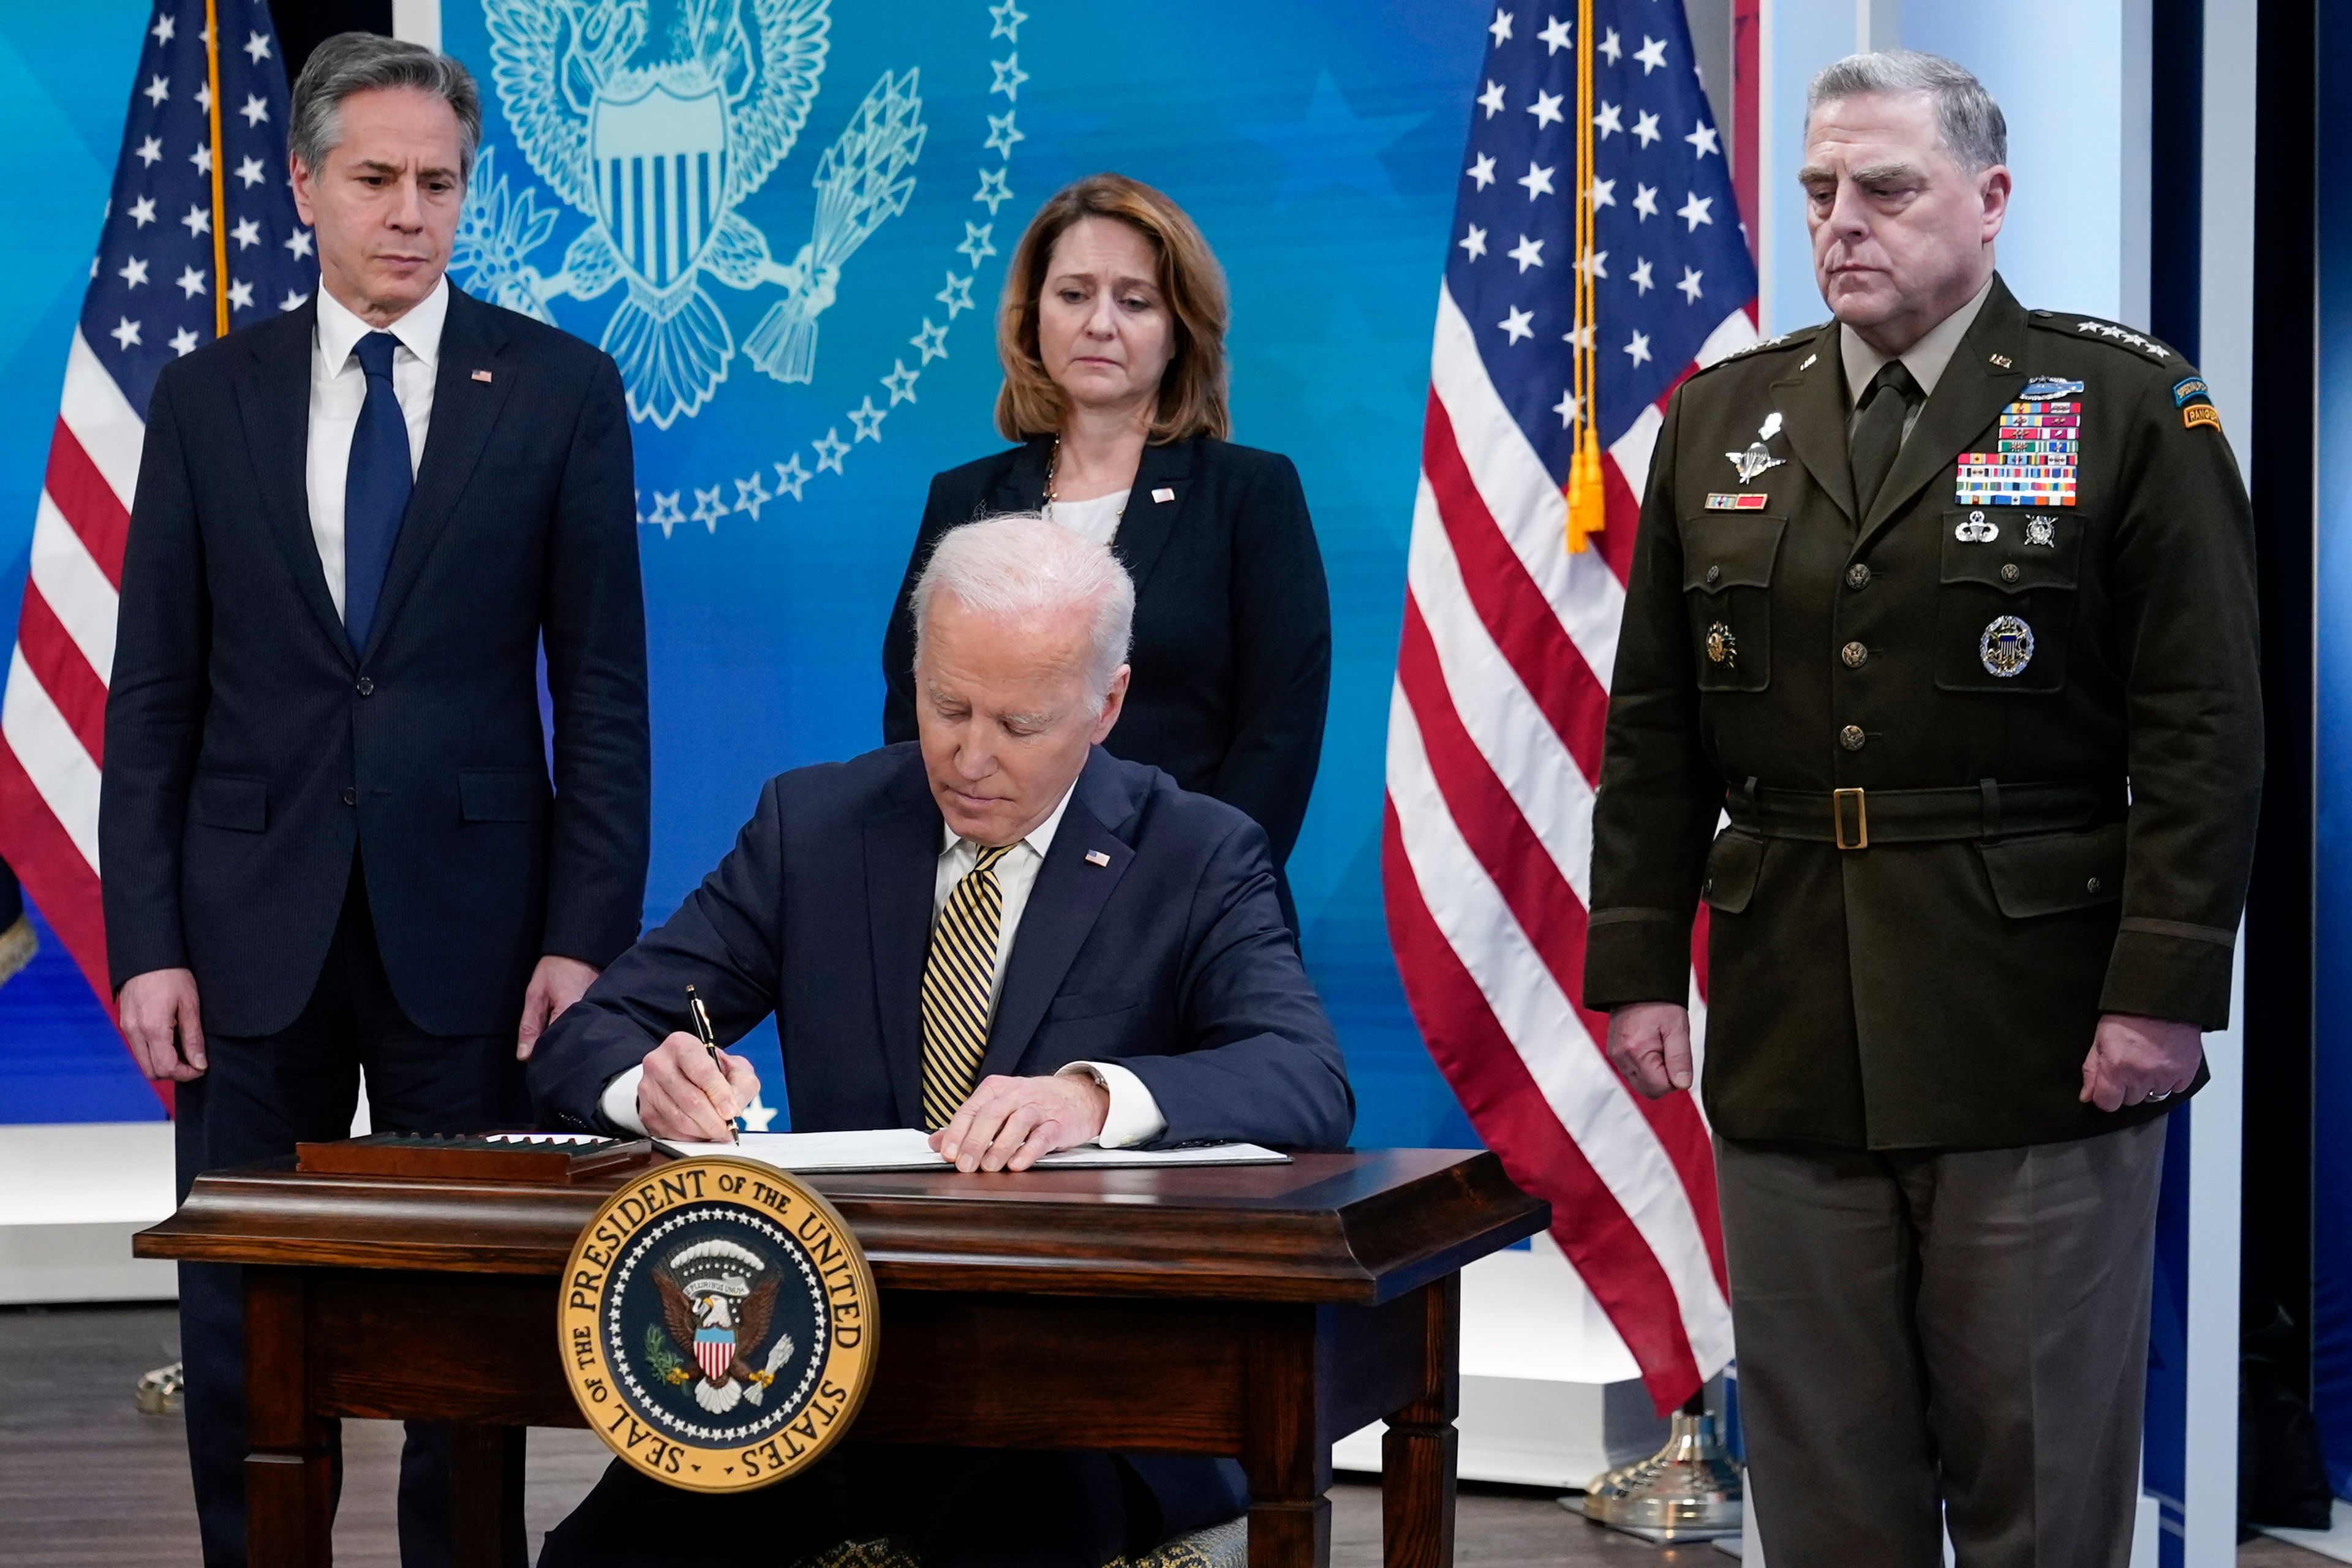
375,489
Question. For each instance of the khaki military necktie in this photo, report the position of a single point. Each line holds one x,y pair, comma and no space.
957,978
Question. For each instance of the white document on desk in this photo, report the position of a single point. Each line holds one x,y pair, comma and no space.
906,1149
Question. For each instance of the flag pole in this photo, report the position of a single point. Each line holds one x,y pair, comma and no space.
220,191
1587,511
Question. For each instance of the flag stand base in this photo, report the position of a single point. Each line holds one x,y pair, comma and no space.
1691,1489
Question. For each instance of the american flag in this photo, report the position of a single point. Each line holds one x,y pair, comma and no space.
200,237
1496,719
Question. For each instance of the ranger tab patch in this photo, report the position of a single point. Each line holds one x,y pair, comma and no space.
2195,401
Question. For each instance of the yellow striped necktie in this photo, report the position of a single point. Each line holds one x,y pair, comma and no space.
957,979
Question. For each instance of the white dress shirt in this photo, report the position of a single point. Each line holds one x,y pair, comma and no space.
339,388
1134,1116
1926,359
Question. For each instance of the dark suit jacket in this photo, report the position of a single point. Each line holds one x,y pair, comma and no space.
1172,959
248,754
1233,625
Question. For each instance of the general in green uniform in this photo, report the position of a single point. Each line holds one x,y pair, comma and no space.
1963,641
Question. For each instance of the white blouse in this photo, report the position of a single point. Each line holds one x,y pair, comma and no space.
1096,519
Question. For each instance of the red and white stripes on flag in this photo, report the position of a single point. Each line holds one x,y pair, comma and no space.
53,709
1494,752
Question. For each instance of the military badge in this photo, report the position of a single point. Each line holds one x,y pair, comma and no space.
1753,462
1722,647
1975,529
2043,388
716,1325
1757,460
2006,648
2041,533
1732,501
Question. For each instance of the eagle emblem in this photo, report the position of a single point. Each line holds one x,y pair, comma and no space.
715,1316
658,144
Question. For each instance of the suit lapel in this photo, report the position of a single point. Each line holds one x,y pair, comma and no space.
1812,415
1022,486
273,399
1070,893
1150,522
464,411
1982,379
903,836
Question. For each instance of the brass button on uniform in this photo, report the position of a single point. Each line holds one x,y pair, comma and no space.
1852,737
1854,654
2009,573
1714,574
1857,575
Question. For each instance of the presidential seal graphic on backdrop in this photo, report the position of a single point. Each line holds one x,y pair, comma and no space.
651,123
658,146
718,1325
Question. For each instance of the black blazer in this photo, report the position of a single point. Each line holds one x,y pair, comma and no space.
248,754
1170,959
1232,623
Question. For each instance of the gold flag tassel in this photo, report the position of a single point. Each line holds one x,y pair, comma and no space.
1586,513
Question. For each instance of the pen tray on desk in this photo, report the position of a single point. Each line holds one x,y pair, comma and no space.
543,1157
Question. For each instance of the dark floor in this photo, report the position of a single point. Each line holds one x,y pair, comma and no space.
86,1481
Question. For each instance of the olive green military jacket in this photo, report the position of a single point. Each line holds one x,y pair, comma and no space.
2074,677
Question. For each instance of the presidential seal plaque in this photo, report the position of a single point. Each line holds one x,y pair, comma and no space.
718,1324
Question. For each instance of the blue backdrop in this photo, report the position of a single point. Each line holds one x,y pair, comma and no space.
1315,142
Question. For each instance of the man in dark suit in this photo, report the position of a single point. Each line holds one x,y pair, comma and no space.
329,839
1153,996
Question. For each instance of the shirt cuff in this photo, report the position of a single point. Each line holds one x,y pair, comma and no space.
619,1103
1134,1116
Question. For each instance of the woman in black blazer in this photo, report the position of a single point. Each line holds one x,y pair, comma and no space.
1112,336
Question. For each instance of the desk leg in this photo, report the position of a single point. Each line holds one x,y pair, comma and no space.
485,1465
1417,1453
1285,1450
290,1497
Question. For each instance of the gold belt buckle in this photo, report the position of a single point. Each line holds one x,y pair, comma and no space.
1839,801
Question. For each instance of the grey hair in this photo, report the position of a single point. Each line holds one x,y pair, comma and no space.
1975,132
1020,564
362,62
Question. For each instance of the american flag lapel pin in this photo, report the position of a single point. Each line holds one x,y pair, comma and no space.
1096,858
482,375
1163,494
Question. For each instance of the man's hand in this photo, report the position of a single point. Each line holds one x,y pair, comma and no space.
684,1095
158,1016
1010,1124
555,984
1649,1044
2134,1059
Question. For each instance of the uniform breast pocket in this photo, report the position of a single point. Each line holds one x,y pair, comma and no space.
1727,560
2007,598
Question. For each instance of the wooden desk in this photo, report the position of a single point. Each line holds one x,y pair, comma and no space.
1255,1311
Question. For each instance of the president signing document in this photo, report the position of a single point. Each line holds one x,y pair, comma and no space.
1006,937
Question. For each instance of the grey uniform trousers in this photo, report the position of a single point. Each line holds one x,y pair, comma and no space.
1932,1340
